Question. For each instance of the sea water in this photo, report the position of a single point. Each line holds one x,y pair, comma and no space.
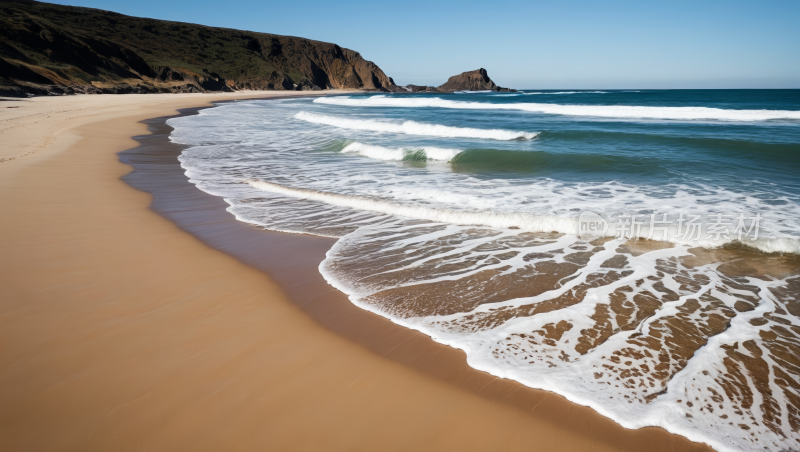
635,251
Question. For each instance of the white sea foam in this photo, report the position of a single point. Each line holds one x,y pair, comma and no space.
384,153
567,92
602,111
623,389
414,128
416,226
502,220
492,219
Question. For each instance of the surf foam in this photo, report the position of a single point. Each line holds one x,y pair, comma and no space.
414,128
501,220
384,153
601,111
568,92
629,340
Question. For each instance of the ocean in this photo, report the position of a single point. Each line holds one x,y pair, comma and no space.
636,251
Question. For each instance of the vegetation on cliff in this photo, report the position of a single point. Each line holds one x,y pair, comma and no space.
54,49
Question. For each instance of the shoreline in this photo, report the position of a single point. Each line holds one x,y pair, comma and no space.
435,377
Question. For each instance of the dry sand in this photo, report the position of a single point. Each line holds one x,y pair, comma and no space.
120,331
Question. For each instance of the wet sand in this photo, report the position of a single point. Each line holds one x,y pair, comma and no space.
124,329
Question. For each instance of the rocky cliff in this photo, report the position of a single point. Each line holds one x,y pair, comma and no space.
54,49
477,80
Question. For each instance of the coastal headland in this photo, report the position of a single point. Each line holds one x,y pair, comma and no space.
50,49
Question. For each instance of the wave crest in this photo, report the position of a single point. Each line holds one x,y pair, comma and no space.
401,154
566,92
601,111
502,220
415,128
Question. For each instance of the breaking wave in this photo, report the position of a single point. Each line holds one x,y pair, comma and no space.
492,219
568,92
526,222
602,111
400,154
414,128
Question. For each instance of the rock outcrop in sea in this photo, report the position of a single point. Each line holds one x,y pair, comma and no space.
55,49
477,80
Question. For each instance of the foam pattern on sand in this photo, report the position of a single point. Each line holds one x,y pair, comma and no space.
644,336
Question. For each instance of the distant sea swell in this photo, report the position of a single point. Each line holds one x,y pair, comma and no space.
600,111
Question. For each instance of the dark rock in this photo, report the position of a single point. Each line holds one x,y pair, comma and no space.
188,88
477,80
281,81
12,91
421,89
164,74
91,47
215,84
306,85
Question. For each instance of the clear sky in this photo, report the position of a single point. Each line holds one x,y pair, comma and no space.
531,44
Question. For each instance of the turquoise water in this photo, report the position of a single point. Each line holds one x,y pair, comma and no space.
635,150
460,215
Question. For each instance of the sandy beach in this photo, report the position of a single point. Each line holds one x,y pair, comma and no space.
123,330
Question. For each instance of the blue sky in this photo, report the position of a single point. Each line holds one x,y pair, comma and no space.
531,44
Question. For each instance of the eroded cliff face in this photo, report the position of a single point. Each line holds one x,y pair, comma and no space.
55,49
477,80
